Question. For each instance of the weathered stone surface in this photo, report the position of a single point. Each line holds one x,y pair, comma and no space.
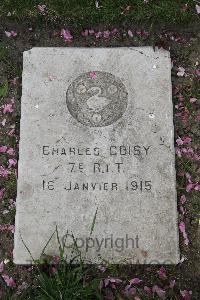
97,140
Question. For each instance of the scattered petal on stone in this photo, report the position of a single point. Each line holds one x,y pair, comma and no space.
93,75
181,72
52,77
9,280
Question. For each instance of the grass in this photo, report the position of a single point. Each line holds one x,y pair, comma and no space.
83,13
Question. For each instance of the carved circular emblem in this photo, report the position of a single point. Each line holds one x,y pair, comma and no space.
97,99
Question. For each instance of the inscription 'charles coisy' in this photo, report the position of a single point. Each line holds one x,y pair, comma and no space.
113,150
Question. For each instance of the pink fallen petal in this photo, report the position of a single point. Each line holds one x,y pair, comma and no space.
8,33
51,77
3,172
178,151
13,33
182,226
102,268
41,8
7,108
182,210
106,34
160,292
7,228
197,187
190,186
186,140
1,267
3,149
115,280
11,151
186,295
98,34
187,175
85,33
3,123
130,291
183,199
172,283
193,100
11,132
91,31
115,31
179,141
130,33
93,75
2,192
198,72
198,8
162,273
9,281
147,290
181,72
12,162
56,259
137,298
65,33
135,281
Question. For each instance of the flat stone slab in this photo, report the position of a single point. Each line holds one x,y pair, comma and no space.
96,156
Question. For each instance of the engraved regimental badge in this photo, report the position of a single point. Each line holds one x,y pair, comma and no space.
98,100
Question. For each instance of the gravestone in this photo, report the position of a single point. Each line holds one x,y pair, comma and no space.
96,156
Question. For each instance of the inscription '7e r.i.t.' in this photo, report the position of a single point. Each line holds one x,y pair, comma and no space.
100,139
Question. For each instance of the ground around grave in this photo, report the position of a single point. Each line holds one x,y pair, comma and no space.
173,25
